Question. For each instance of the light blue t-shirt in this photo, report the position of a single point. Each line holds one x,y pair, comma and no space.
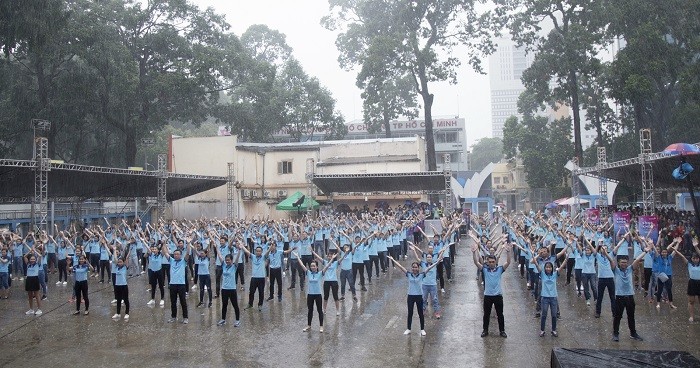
623,281
33,270
203,268
588,263
415,283
5,266
430,276
81,272
229,276
120,276
314,282
693,271
275,259
155,262
492,280
330,274
549,284
604,270
258,266
177,271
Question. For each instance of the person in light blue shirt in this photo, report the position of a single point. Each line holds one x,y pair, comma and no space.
624,293
257,276
178,288
121,288
493,296
4,274
80,270
664,280
155,275
414,293
204,276
313,293
330,280
693,279
605,280
228,287
549,296
274,260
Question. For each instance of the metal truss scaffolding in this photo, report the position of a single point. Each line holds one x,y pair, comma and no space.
309,185
647,171
602,182
447,169
42,166
231,192
162,201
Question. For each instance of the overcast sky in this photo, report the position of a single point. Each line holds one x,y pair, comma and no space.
314,47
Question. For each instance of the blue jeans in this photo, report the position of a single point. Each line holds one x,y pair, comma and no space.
17,268
588,280
549,303
432,291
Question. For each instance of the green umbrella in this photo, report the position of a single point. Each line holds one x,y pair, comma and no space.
288,204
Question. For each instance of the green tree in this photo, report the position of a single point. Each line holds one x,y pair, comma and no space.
563,54
511,137
484,152
418,36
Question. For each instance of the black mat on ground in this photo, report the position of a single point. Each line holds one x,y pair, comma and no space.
580,358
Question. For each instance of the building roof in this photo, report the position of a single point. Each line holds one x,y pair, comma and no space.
71,182
312,145
426,181
332,161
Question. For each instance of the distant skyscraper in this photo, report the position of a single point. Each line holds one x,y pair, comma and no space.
506,66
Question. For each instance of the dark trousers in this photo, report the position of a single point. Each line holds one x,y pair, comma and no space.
256,283
368,268
227,295
647,278
453,253
122,293
312,299
328,287
661,285
104,267
63,270
383,260
95,261
81,291
361,268
489,302
439,274
621,303
296,268
570,263
204,280
374,262
156,278
416,300
276,276
218,272
178,291
605,282
239,273
346,275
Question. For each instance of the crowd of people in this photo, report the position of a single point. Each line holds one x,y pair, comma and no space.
552,247
323,257
340,254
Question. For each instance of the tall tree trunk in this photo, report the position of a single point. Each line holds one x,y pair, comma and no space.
573,90
386,121
429,135
130,148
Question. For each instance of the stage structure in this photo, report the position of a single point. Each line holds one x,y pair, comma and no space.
650,171
39,180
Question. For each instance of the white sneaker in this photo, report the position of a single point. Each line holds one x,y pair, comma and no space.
185,321
58,283
142,272
65,282
114,301
407,332
337,313
126,317
116,317
442,290
21,278
588,304
422,332
194,287
162,303
151,302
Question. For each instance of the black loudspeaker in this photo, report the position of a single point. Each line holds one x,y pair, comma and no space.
299,201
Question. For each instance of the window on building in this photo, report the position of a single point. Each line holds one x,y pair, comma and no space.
506,180
284,167
497,180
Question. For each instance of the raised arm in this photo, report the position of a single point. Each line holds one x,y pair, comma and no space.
397,264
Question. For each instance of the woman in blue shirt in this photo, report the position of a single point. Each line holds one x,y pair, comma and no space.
693,278
549,300
415,292
228,287
4,274
204,276
121,289
80,288
155,275
31,284
665,277
313,292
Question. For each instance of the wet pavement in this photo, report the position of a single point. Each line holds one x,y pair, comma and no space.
368,333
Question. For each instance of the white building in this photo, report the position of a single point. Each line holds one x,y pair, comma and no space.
267,173
450,137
